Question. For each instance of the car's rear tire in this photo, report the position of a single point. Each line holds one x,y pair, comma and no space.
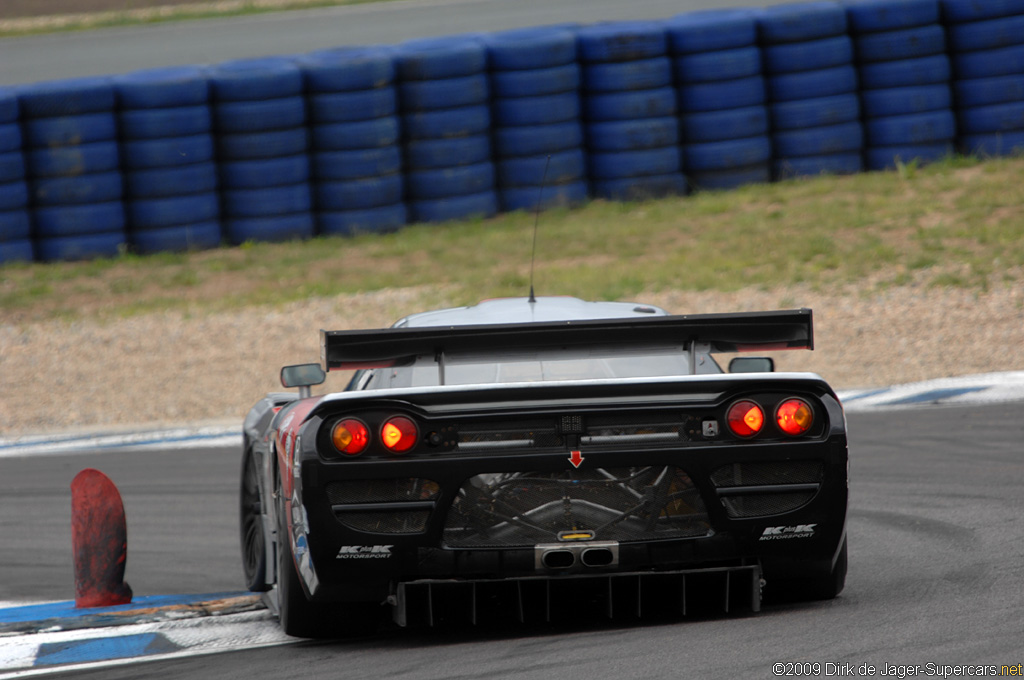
254,554
822,586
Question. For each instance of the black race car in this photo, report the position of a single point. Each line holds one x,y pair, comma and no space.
527,458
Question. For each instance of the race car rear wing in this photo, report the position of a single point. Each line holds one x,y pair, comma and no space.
735,332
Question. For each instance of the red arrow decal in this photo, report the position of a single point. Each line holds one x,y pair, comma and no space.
575,457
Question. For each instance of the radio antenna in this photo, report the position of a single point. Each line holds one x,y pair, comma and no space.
536,221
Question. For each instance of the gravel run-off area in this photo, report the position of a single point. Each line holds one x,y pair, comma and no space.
170,368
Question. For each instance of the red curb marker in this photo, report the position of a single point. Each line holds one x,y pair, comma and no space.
99,539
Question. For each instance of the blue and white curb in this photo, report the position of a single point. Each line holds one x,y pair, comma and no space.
985,388
175,438
47,638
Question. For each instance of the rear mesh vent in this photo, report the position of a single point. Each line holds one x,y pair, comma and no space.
388,522
765,504
617,504
763,474
381,491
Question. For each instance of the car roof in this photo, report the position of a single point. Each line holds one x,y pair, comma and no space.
523,310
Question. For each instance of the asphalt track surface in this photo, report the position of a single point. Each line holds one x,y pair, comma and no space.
936,566
119,50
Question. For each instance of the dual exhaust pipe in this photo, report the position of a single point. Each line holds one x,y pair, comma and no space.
562,556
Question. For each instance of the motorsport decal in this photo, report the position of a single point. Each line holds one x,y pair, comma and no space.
364,552
783,533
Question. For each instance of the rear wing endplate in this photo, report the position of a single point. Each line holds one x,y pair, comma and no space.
736,332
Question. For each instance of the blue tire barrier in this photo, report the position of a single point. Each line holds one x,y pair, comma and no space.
446,182
530,48
733,178
642,74
382,220
824,82
906,100
800,21
268,144
888,157
20,250
481,205
68,160
986,35
731,94
633,135
142,154
266,201
621,41
711,67
363,134
443,93
171,181
76,220
918,128
534,140
810,166
997,144
819,141
15,225
97,187
259,115
9,107
871,16
176,239
73,97
905,72
70,130
349,106
160,88
13,196
10,137
345,69
427,154
1003,61
711,30
974,10
535,82
716,126
988,91
623,164
812,113
456,122
265,172
809,55
446,57
655,103
159,213
988,119
908,43
727,154
543,197
640,188
559,168
12,166
180,121
274,228
356,163
80,247
359,194
543,110
253,79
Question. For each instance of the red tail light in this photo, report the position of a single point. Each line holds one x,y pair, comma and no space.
745,418
399,434
794,416
350,436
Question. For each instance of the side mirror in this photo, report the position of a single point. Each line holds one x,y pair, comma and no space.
752,365
302,376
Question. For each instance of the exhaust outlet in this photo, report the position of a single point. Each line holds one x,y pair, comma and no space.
574,556
558,559
597,557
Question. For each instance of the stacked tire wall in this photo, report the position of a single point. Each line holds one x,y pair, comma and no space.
369,139
986,42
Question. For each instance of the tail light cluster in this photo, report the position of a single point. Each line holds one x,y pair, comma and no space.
793,416
396,434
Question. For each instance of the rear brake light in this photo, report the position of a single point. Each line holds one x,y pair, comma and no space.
794,416
350,436
399,434
745,418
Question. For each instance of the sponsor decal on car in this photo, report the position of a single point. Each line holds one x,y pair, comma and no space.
364,552
784,532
